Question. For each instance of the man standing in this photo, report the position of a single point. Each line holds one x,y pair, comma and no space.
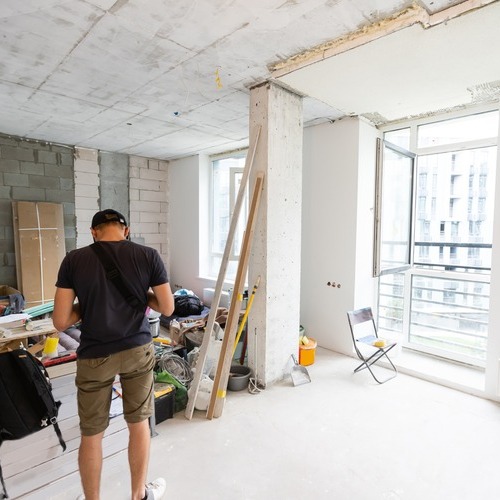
115,340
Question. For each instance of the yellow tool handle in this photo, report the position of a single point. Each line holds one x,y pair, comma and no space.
247,312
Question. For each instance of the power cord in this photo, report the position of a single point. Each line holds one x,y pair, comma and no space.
176,366
253,383
254,387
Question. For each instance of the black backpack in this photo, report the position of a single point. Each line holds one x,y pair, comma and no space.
27,404
187,305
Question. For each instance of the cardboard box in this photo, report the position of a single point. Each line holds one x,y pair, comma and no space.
40,247
7,290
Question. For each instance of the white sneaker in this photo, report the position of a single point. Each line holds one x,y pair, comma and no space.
156,489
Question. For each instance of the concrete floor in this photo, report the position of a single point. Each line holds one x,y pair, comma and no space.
340,437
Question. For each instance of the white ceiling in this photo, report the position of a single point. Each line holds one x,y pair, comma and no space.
165,79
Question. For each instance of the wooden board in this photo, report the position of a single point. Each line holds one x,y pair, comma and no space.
218,394
209,329
40,247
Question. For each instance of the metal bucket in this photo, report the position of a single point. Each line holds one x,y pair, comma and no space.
154,322
154,326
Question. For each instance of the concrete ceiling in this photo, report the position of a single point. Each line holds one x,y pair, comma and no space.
166,79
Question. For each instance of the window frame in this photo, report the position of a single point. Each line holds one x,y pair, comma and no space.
380,177
215,255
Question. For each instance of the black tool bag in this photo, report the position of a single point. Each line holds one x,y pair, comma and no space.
27,404
187,305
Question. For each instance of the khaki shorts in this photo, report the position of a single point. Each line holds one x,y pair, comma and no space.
94,382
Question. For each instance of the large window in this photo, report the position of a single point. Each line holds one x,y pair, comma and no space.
227,172
440,304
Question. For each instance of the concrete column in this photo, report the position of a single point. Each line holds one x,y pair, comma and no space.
275,317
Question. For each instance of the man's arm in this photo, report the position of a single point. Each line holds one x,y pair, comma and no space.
161,299
66,313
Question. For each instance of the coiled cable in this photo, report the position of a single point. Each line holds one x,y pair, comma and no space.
176,366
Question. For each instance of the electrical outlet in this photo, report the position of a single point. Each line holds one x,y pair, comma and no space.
333,284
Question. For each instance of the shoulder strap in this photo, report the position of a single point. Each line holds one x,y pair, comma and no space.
116,277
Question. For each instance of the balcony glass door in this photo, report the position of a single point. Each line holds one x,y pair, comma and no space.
440,304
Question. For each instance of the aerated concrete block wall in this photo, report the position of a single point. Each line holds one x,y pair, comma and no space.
114,182
149,203
33,171
84,181
86,172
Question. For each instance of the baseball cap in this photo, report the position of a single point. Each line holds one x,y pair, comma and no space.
108,215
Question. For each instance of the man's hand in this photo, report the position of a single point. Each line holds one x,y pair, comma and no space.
161,299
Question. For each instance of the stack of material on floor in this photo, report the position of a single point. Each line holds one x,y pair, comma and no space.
178,327
12,323
31,330
166,320
14,320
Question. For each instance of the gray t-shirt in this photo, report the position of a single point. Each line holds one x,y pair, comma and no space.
109,323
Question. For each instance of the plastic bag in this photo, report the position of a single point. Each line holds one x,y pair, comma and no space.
181,397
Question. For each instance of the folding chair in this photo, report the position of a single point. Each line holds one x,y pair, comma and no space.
364,335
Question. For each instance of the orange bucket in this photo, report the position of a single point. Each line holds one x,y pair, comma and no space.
307,352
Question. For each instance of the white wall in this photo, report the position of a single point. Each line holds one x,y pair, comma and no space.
183,223
337,228
492,379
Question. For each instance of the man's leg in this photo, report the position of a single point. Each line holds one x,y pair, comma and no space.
136,376
94,381
90,465
138,457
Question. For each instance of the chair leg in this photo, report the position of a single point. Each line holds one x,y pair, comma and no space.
373,359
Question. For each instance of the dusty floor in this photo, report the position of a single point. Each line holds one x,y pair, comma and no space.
340,437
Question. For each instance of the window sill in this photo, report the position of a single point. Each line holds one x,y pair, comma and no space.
455,375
